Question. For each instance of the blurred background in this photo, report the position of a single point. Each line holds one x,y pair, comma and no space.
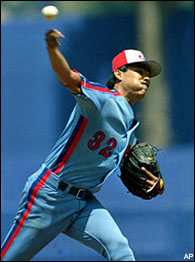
35,107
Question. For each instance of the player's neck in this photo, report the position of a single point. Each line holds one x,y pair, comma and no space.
130,100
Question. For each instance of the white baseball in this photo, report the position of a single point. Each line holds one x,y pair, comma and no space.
49,12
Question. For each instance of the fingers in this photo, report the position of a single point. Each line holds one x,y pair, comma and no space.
52,38
150,175
54,33
150,182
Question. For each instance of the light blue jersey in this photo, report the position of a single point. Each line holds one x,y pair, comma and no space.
89,149
95,137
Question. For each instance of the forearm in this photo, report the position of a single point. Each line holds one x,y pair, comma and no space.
59,65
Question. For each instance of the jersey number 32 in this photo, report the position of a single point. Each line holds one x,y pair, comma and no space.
95,143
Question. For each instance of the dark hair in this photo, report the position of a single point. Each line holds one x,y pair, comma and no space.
112,79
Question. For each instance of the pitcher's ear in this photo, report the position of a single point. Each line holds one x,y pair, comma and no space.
118,74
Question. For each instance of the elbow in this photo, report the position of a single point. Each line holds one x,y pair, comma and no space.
68,79
65,78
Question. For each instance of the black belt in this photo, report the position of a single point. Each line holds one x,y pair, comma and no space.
79,193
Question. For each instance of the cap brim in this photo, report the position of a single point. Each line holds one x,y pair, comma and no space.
153,67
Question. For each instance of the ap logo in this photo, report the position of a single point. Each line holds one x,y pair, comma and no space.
188,256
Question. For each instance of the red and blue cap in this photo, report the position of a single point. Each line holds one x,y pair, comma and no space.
131,56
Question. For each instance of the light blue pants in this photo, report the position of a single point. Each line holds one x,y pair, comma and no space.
45,211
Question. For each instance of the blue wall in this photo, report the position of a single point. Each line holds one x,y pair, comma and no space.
178,31
35,108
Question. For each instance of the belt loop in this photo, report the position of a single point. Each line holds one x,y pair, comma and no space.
67,188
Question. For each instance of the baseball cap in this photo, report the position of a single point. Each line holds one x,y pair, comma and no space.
131,56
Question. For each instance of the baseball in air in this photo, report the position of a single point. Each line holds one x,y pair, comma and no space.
49,12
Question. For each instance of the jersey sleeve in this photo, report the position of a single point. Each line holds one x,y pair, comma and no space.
93,95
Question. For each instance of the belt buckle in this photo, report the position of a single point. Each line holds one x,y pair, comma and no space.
79,191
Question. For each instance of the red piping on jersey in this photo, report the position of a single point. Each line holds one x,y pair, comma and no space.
128,149
72,147
98,88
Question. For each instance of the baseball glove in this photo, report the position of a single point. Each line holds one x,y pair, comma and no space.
134,179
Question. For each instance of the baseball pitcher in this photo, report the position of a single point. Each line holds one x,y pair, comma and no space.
98,139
